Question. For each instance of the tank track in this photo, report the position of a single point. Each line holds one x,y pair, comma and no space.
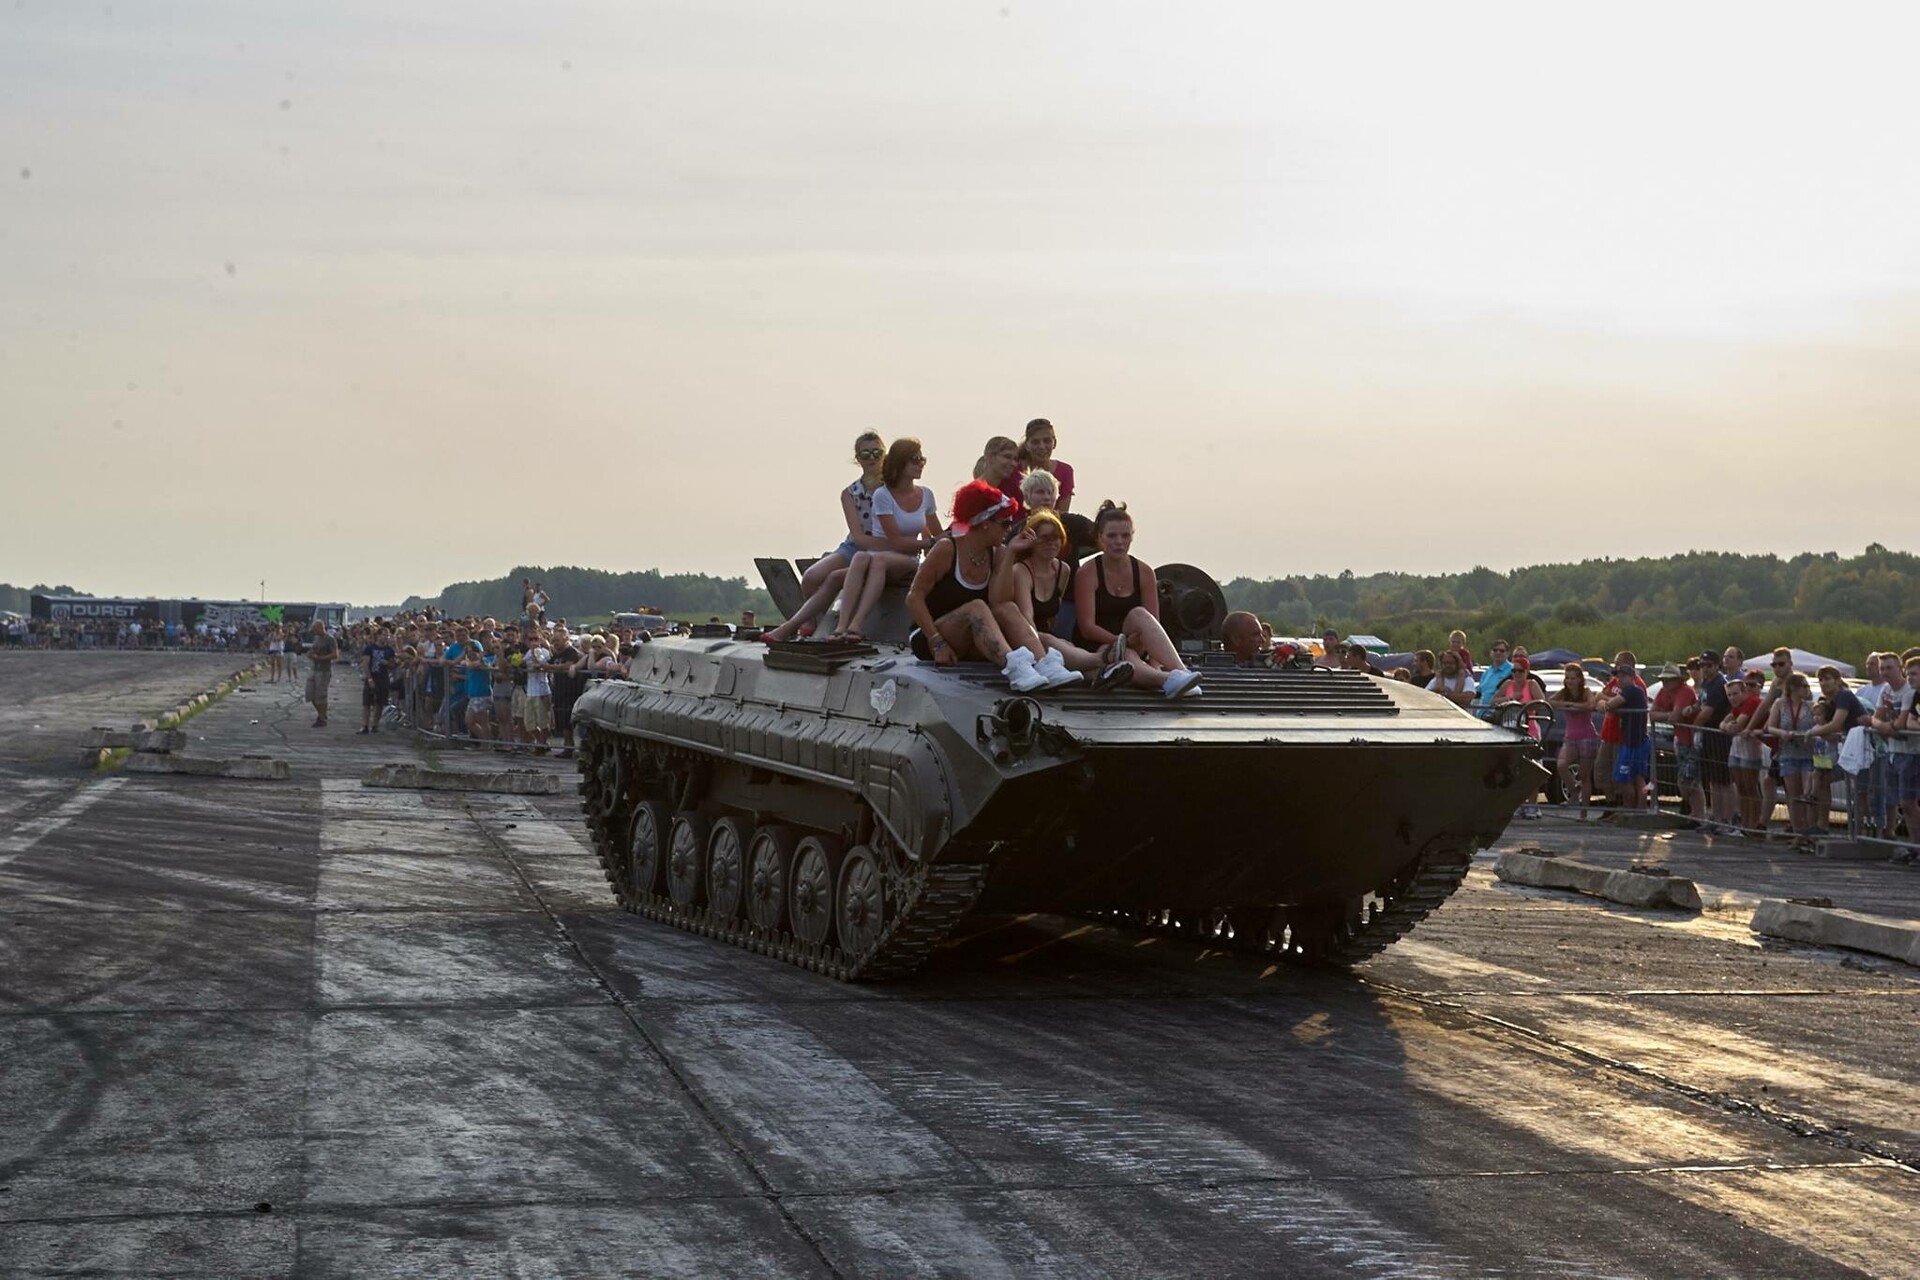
926,902
1320,939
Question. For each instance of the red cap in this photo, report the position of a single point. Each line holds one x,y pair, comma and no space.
977,500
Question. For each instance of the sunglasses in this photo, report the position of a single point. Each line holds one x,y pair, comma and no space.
1778,665
866,455
918,459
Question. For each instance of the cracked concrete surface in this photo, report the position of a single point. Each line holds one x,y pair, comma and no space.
308,1028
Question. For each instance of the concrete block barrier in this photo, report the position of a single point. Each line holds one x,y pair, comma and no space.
160,740
1841,849
260,768
513,782
100,736
1629,888
1833,927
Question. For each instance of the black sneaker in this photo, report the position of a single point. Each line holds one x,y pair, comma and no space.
1113,676
363,729
320,723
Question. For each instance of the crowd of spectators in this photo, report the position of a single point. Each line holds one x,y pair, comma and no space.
510,685
1738,739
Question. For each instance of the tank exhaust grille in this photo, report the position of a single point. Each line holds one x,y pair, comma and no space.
1303,693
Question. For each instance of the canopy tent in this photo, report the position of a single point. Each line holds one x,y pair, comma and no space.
1804,662
1555,657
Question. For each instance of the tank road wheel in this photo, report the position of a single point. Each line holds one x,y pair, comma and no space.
860,905
647,847
687,859
810,901
609,773
769,859
727,866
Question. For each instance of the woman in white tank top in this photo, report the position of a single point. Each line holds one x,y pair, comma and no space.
904,514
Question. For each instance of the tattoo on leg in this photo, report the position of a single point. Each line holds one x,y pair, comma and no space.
987,643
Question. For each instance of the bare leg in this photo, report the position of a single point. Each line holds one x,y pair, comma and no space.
815,605
973,633
817,573
882,567
1563,765
1018,631
1146,636
850,590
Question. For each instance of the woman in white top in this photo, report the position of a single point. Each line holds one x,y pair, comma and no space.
906,518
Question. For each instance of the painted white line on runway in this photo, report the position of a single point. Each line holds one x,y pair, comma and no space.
532,831
29,834
356,819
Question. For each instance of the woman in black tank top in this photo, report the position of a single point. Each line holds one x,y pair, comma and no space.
1029,598
1117,602
952,621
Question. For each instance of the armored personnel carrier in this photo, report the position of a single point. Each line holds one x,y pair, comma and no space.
844,806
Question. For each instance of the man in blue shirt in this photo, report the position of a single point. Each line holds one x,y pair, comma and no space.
1496,674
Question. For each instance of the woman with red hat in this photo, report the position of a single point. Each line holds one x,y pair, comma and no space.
948,601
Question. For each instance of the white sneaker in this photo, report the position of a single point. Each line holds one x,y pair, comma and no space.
1054,668
1022,672
1182,684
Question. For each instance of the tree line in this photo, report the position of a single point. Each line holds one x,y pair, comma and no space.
1661,607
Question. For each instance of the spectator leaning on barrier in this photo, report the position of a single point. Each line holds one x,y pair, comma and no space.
1673,705
1498,669
1902,776
1880,783
1715,703
1908,726
1633,754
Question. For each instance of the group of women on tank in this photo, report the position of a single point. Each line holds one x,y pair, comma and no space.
996,583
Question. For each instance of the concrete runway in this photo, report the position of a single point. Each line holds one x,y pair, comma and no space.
306,1028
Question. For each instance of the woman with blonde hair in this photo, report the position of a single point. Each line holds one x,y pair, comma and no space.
1034,591
906,519
999,466
824,577
1041,492
948,601
1793,719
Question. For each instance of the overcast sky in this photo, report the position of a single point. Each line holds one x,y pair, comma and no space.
363,298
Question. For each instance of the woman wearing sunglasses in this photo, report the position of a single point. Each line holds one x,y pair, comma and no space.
949,601
824,577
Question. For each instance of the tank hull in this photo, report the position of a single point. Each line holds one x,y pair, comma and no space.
1311,815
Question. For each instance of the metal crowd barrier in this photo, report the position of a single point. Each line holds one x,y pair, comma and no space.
1877,804
434,699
